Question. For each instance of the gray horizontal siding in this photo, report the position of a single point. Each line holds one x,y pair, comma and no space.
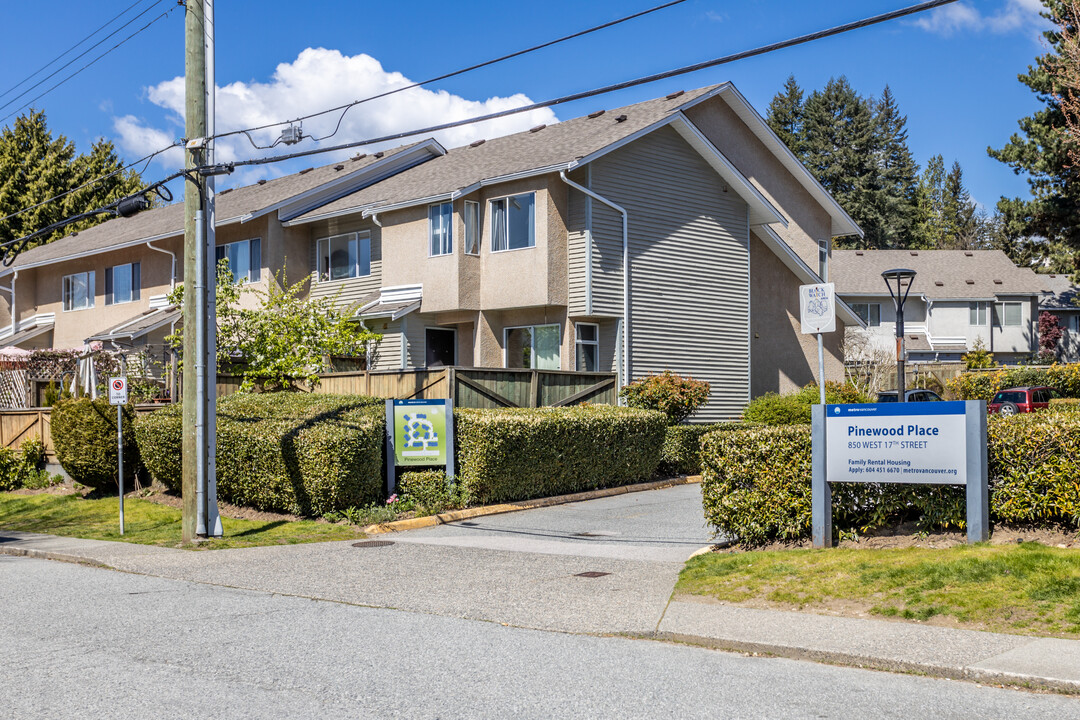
689,266
576,242
414,336
387,353
348,291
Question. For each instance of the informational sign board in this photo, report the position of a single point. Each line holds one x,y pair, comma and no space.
817,308
913,442
419,433
118,391
938,443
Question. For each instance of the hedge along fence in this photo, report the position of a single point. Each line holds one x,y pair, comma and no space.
286,452
681,452
516,454
984,385
756,482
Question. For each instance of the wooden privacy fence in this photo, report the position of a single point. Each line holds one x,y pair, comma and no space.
23,424
467,387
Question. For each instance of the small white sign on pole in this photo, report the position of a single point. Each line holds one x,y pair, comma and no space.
118,394
817,308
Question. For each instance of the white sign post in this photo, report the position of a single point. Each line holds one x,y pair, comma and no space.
817,314
118,396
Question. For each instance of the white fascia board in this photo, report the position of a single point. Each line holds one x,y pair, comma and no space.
349,183
401,293
842,224
374,312
329,215
804,272
388,207
37,330
762,212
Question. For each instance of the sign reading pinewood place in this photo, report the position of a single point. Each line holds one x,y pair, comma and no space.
419,433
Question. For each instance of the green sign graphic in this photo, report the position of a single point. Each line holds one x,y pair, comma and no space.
420,432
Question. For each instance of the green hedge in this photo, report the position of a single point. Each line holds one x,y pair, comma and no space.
681,453
756,482
516,454
984,385
84,438
794,408
21,467
287,452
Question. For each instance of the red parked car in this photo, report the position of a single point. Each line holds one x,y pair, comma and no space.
1022,400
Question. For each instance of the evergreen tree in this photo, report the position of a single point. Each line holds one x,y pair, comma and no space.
35,166
897,172
929,230
959,210
785,116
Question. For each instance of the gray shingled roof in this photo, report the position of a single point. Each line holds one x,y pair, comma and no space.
941,274
556,144
27,334
1060,293
169,220
140,324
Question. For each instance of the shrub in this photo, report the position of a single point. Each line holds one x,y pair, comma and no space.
794,408
515,454
984,385
287,452
84,437
681,453
675,396
22,467
429,489
978,356
1034,463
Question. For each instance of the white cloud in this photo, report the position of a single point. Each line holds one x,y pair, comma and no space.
1013,15
316,80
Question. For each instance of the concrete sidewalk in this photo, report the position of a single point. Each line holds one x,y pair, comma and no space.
526,569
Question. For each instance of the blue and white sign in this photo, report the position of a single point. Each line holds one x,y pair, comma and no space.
817,308
914,442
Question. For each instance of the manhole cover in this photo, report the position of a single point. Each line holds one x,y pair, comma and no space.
592,574
373,543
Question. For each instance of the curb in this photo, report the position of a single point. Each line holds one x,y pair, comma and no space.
828,657
46,555
469,513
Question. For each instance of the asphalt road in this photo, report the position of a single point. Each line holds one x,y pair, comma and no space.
83,642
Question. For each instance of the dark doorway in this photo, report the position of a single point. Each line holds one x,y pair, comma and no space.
441,347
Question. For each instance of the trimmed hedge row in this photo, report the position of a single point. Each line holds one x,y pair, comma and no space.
84,438
794,408
681,452
286,452
984,385
756,482
21,466
516,454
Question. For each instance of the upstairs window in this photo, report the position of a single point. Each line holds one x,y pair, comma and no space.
344,256
869,312
122,283
513,222
977,312
1008,314
245,259
440,229
472,227
78,291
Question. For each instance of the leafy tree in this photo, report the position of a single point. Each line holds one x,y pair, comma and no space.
284,338
1050,332
35,166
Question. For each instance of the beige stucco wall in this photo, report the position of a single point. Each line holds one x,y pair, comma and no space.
782,359
492,323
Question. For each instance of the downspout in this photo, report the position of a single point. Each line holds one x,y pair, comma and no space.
375,219
172,255
625,370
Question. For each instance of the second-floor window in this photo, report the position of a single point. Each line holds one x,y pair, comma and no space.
78,291
344,256
245,259
513,222
472,228
1008,314
869,312
977,314
440,229
122,283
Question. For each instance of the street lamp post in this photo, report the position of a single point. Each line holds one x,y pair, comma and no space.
899,275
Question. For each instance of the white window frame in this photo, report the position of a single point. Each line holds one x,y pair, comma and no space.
65,284
254,269
532,347
491,212
474,241
135,270
1001,311
579,341
868,319
441,329
980,311
359,238
446,241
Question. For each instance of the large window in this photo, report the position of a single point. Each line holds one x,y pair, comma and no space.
344,256
122,283
78,291
534,346
245,259
977,312
587,342
1008,314
513,222
869,312
440,232
472,227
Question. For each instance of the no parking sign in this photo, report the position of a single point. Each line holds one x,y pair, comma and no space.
118,391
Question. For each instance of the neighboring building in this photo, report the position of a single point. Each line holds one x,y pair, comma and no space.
958,297
1062,298
509,252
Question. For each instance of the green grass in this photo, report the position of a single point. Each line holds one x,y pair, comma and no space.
1028,588
148,523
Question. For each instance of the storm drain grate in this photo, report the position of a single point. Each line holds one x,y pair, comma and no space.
373,543
592,574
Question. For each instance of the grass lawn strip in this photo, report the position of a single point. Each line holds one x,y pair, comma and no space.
1029,588
148,523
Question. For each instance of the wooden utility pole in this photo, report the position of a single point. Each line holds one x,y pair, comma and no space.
195,128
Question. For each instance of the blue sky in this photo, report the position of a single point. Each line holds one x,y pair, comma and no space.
953,71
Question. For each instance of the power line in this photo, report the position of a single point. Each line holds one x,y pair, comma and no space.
84,67
348,106
110,22
761,50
